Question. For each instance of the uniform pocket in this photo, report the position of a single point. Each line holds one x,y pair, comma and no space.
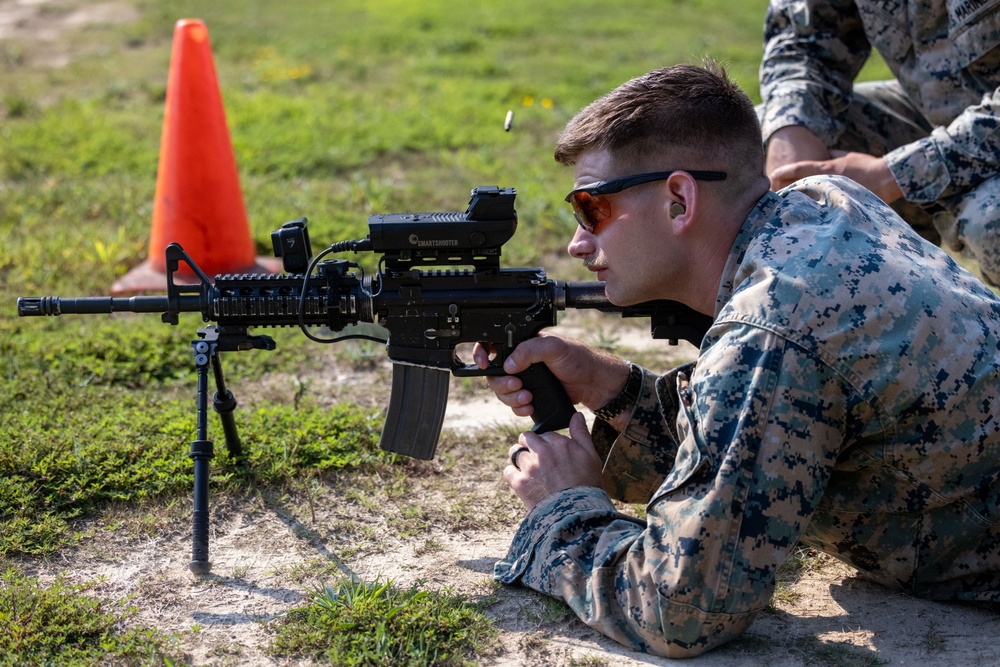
693,453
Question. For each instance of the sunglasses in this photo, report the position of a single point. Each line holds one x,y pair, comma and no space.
590,203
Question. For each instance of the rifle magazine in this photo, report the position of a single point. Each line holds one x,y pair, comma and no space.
416,411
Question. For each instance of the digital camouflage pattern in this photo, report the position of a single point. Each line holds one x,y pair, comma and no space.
937,124
846,398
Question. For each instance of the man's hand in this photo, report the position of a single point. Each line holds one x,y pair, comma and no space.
788,146
590,377
794,152
554,462
867,170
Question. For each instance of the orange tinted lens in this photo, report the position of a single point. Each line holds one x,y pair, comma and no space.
591,211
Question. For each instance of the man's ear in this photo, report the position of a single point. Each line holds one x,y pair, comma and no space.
682,195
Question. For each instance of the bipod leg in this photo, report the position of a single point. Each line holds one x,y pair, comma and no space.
224,403
206,353
201,452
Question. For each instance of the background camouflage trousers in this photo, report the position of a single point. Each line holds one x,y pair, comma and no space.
881,118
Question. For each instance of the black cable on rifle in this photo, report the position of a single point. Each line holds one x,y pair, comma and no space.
336,247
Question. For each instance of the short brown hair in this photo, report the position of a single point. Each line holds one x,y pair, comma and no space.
693,114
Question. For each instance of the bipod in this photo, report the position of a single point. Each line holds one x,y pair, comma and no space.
213,340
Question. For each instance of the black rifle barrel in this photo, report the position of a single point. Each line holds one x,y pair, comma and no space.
28,306
669,319
589,295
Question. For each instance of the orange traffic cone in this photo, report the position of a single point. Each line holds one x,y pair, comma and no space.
198,201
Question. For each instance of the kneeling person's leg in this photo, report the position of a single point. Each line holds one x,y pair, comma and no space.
970,222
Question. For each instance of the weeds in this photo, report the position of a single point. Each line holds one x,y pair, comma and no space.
71,451
376,624
801,561
587,661
61,624
815,651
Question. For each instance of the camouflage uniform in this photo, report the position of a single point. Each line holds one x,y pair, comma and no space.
937,124
846,398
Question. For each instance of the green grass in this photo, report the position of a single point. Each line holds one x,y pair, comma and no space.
354,624
101,412
335,111
61,624
70,462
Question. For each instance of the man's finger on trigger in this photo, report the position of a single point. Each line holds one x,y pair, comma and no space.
526,353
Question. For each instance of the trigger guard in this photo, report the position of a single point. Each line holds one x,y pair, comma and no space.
494,366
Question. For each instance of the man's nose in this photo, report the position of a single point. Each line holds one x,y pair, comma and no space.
582,244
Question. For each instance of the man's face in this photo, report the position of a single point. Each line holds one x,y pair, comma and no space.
630,250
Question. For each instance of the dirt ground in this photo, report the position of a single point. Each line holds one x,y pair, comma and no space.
41,24
256,553
268,551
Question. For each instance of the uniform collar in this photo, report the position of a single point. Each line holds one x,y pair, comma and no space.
759,216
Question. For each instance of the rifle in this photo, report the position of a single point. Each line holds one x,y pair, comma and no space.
439,283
